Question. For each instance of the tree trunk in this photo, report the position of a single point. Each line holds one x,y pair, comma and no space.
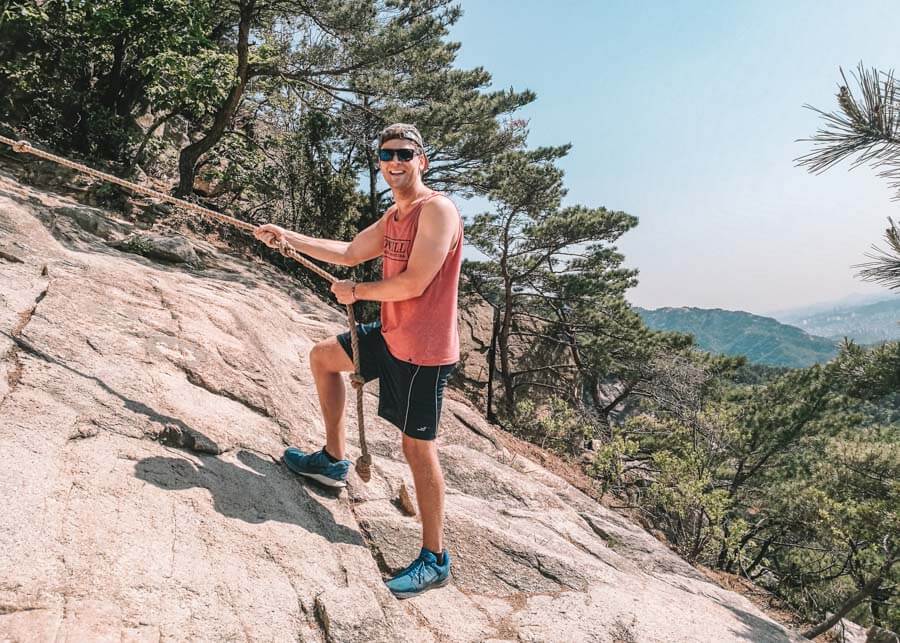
492,366
723,561
372,165
139,155
625,392
110,84
864,592
503,342
757,561
187,161
373,188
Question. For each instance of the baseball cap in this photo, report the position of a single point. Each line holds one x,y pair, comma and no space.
401,130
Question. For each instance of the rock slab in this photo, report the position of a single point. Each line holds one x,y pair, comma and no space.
144,408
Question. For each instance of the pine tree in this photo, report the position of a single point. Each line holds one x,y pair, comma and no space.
555,280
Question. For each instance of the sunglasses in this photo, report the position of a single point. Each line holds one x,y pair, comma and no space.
403,154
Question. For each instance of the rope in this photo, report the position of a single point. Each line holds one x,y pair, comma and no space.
364,462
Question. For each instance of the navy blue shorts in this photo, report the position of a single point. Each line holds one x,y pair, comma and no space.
411,395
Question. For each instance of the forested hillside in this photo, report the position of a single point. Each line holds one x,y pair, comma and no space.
762,340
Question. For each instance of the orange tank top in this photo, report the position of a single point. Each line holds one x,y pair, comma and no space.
423,330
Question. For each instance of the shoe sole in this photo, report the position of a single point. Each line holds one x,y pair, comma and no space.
421,591
318,477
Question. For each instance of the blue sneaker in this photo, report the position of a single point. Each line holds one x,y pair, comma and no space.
422,574
317,466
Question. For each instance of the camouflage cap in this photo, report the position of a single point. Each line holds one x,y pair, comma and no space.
403,131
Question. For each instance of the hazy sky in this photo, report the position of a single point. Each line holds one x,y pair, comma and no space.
685,114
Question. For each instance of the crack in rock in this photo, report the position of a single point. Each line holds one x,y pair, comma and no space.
26,315
474,428
14,374
377,554
199,381
351,614
11,258
534,562
12,609
613,542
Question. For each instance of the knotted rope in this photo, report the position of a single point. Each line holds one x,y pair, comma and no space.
364,462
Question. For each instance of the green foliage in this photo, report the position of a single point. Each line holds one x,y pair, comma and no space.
75,74
870,373
791,479
685,496
108,195
191,85
137,244
614,460
554,425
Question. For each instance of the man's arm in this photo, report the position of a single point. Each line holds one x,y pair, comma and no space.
366,245
438,227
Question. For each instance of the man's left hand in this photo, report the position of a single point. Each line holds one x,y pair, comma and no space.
343,290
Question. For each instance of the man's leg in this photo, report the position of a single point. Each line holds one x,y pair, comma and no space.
429,480
328,362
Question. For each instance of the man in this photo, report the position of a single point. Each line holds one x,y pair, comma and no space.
411,350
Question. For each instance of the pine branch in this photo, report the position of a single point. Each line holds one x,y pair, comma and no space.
885,265
867,125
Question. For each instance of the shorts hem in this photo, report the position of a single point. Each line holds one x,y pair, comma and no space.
430,437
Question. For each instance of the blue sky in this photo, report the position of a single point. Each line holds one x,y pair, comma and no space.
685,114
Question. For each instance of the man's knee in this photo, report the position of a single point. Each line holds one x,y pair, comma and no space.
419,451
328,356
317,357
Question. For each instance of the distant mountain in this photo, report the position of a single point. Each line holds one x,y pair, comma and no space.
865,323
848,301
762,340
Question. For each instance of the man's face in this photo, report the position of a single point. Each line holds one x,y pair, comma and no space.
402,175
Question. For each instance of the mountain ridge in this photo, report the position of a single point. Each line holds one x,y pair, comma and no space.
763,340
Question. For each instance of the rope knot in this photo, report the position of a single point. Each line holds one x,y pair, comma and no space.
357,381
21,147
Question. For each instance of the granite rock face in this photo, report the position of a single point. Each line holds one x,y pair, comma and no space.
144,407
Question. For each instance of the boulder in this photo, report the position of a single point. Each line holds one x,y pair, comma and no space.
877,634
171,248
92,220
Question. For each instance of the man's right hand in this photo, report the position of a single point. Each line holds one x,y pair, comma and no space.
271,235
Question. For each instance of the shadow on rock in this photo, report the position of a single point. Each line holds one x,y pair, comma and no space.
758,630
256,495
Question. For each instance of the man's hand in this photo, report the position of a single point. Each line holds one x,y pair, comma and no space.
271,235
343,290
